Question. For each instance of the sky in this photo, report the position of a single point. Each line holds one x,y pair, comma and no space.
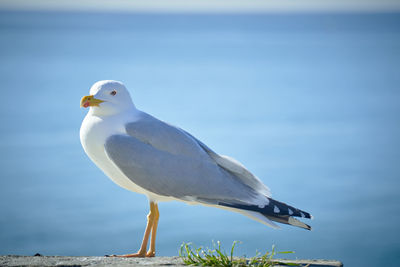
217,6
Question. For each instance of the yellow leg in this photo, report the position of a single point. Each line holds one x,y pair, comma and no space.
152,221
152,250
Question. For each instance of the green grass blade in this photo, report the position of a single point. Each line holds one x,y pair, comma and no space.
217,256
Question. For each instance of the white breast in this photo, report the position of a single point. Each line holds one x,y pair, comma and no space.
93,134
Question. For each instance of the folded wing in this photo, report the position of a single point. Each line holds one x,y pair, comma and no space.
167,161
176,141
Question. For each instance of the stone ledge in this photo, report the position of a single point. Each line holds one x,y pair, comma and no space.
64,261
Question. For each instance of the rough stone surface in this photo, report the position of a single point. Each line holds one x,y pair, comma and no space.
61,261
314,263
87,261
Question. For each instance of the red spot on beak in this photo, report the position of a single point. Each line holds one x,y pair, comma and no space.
86,104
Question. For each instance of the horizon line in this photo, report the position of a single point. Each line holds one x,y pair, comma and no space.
203,7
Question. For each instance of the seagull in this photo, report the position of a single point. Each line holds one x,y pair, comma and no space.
146,155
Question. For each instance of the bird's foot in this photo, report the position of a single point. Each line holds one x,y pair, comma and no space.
150,254
133,255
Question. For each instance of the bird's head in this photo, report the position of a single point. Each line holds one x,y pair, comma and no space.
108,98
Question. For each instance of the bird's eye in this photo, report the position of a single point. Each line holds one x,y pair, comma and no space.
113,92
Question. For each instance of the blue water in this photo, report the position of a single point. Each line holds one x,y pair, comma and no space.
309,103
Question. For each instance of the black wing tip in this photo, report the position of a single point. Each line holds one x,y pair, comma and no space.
306,215
274,208
281,208
276,211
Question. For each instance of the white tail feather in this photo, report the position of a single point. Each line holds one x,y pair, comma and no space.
294,222
258,217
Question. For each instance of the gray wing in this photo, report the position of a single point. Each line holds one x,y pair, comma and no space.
179,142
236,168
164,137
169,162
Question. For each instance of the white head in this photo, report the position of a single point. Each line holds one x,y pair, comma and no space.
108,98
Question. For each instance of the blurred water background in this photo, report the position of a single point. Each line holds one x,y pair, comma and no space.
309,103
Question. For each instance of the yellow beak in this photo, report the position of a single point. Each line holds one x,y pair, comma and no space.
90,101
